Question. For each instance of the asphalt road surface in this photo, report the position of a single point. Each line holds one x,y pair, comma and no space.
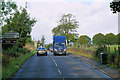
60,67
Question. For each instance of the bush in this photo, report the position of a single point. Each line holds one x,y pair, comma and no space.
6,59
23,50
101,49
9,52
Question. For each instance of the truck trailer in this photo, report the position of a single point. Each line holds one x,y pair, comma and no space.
59,45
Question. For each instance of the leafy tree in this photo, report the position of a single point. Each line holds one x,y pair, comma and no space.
115,6
84,40
21,23
67,27
48,46
39,43
43,41
110,39
118,38
98,39
6,11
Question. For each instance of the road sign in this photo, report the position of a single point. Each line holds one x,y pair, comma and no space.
9,38
10,35
9,41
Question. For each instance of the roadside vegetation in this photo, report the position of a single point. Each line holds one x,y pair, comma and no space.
12,65
100,43
15,20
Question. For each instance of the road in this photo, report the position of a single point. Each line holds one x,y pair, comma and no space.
60,67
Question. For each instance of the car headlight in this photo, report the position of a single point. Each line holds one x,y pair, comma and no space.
55,49
64,49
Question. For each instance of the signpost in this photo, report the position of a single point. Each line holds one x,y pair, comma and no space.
9,38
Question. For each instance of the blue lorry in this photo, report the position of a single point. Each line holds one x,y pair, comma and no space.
59,45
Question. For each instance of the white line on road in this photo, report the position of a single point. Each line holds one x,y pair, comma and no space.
59,71
56,64
54,61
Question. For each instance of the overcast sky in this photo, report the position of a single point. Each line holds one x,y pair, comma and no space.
94,16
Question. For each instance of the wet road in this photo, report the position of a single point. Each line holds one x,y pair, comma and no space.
57,67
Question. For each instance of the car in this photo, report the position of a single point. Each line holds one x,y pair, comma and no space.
41,51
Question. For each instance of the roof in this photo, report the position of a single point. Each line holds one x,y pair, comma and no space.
59,38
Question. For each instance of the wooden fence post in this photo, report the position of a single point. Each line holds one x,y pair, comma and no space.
108,49
115,50
119,57
109,56
119,50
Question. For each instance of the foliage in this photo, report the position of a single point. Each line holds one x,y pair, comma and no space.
48,46
6,11
112,49
43,41
14,65
118,38
38,43
21,23
84,39
98,39
67,27
115,6
82,52
110,39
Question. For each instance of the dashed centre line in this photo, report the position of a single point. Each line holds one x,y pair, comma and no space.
59,71
56,65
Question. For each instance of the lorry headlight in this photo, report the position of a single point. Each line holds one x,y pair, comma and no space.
55,49
64,49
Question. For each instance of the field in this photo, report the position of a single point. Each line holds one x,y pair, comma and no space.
94,48
112,49
90,52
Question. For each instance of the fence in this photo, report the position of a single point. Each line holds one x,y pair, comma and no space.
113,56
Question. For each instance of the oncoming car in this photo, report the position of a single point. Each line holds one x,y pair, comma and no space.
41,51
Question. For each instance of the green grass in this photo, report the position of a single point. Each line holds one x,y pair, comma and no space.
112,50
89,48
89,54
15,65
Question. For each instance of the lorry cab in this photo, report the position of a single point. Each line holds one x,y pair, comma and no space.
59,45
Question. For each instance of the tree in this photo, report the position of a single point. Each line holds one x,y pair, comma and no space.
110,39
38,43
84,40
98,39
67,27
118,38
22,24
48,46
6,11
115,6
43,41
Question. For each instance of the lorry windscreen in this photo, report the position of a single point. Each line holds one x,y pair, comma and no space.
62,44
59,44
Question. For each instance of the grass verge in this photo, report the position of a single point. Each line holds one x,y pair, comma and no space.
15,64
81,52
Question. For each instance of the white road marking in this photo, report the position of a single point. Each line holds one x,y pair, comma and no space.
56,64
54,61
59,71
